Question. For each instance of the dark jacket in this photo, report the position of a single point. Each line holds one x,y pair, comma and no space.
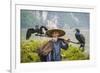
51,50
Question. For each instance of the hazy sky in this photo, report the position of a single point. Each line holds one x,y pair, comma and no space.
30,18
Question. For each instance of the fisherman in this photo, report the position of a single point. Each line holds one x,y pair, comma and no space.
52,49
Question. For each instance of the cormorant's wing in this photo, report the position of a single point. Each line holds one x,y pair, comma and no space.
29,32
43,29
80,38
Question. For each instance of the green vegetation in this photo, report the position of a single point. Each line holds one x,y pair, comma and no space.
73,53
29,48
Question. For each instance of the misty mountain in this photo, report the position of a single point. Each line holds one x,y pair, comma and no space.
30,18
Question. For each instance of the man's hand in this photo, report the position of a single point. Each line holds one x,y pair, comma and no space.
68,40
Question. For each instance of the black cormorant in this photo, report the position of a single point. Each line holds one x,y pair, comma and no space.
80,38
37,30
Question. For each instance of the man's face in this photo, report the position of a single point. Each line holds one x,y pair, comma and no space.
55,34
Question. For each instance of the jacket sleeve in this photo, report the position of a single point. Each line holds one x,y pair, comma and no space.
64,44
